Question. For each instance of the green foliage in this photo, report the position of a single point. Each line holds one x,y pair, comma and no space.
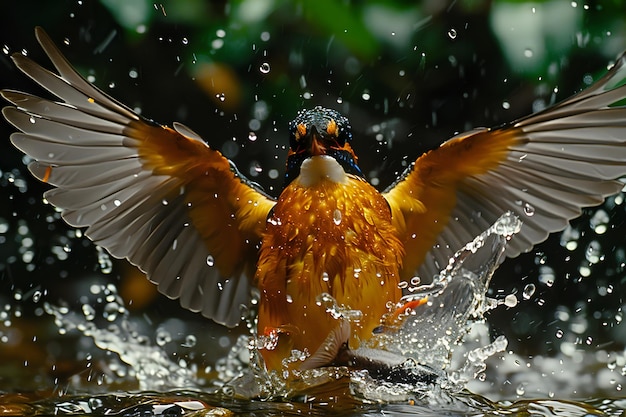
130,14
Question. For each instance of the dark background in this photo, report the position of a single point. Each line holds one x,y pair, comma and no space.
408,75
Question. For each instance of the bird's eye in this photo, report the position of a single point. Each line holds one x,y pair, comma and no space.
340,132
331,128
296,132
300,131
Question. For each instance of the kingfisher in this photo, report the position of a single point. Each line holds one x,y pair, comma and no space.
328,257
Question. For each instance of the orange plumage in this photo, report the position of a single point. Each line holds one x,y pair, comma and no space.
178,209
331,238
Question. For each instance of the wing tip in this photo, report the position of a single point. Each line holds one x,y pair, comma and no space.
39,32
44,39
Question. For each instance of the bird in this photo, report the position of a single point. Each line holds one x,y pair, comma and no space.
326,259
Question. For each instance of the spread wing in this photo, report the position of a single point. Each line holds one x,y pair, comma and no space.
159,197
545,168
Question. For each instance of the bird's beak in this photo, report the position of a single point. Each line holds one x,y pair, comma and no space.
316,146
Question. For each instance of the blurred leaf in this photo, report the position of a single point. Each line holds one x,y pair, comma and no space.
130,13
252,11
344,23
390,23
220,83
194,12
528,35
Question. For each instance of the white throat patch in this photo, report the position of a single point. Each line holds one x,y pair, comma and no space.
318,168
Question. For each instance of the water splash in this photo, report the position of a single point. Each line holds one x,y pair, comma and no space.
422,352
411,354
459,344
148,363
431,332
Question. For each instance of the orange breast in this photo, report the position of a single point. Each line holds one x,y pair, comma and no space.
334,238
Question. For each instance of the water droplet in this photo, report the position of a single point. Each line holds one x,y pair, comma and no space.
599,221
162,337
569,238
255,169
337,217
133,73
89,312
584,270
510,300
528,53
452,33
106,265
190,341
111,311
546,275
528,292
95,403
252,136
264,68
529,210
210,261
593,252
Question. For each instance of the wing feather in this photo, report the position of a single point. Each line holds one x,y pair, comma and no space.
545,168
82,176
157,196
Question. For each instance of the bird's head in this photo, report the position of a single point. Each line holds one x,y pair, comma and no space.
320,131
